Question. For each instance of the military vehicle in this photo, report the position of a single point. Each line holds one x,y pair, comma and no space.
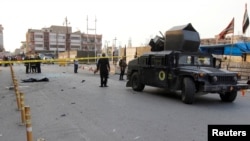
176,64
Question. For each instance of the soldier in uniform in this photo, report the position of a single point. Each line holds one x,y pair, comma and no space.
38,64
104,68
76,65
122,65
27,64
32,64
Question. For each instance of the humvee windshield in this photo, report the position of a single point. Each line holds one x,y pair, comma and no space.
195,60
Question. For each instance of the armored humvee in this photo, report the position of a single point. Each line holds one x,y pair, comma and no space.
176,64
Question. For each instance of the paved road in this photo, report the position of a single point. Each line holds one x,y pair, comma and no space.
65,109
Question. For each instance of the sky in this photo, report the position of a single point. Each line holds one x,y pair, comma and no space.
123,20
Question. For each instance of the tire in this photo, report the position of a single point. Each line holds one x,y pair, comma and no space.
136,84
188,91
228,96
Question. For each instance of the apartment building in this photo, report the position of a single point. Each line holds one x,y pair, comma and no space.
57,39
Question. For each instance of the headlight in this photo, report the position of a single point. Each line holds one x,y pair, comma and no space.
201,74
235,78
238,76
215,78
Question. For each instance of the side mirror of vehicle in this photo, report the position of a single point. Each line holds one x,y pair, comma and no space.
217,63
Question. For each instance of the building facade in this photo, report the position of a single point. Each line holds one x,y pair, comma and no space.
227,40
57,39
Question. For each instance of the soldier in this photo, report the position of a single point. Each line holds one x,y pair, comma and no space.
32,64
123,65
27,64
38,64
104,67
75,65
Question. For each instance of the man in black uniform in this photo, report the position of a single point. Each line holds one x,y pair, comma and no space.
122,65
104,67
38,64
27,64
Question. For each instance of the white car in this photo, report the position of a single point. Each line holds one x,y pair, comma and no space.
48,60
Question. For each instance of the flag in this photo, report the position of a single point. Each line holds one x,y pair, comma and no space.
245,22
227,30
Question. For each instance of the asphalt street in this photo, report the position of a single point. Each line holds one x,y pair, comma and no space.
69,109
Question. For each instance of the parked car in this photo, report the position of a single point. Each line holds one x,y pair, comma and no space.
48,60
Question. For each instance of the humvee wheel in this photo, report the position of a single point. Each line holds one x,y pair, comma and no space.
188,91
136,84
228,96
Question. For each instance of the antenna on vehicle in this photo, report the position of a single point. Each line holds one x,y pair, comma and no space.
162,35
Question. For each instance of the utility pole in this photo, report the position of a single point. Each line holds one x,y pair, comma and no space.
114,45
56,44
107,45
88,38
67,38
94,38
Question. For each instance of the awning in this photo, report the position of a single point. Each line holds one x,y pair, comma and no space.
236,49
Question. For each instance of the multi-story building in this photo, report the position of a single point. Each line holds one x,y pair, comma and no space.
227,40
1,38
60,39
92,42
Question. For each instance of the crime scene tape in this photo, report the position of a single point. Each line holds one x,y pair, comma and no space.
60,60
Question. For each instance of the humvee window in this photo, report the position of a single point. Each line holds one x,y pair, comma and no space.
198,60
185,60
202,60
157,61
142,61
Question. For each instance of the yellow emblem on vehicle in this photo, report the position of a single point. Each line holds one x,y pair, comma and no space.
162,75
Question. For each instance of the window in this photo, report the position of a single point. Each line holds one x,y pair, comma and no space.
52,37
92,40
75,47
158,61
75,38
194,60
53,46
142,60
202,60
39,45
38,36
185,60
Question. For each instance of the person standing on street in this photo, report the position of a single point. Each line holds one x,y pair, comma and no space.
38,63
76,65
122,65
104,68
27,64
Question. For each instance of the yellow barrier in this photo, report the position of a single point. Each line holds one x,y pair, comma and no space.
28,123
16,88
22,108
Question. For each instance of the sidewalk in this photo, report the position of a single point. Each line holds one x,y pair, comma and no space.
10,117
